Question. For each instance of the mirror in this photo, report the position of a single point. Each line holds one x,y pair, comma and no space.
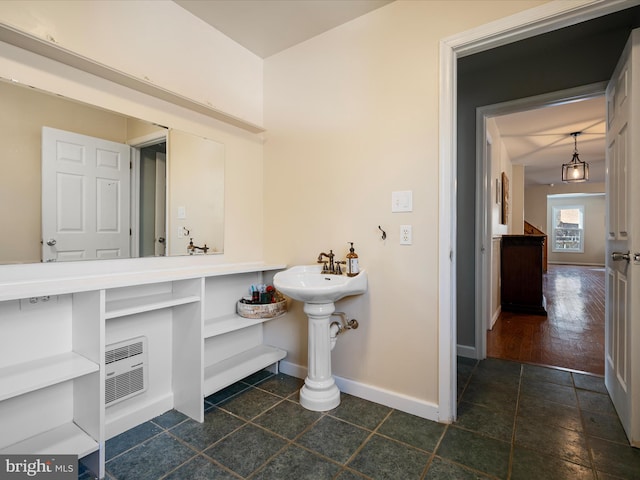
193,189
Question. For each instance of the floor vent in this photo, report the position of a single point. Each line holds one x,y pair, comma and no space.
126,369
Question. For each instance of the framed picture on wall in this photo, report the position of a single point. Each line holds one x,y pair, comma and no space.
505,199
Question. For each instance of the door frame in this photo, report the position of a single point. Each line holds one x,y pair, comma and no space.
536,21
136,145
484,200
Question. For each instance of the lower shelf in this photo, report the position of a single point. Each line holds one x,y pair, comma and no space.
67,439
29,376
232,369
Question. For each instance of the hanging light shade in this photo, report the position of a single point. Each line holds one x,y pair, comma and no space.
576,170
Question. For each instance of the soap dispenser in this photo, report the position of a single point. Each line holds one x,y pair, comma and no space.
352,262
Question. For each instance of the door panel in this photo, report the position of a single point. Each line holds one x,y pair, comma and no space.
85,197
70,210
622,320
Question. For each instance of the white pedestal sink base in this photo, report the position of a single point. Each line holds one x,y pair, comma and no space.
307,283
319,392
321,400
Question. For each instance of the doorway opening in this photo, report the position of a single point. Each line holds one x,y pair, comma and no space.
148,196
486,78
524,140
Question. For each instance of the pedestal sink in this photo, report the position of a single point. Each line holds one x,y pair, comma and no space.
319,291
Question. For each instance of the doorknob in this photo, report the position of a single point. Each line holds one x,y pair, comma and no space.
161,240
51,242
615,256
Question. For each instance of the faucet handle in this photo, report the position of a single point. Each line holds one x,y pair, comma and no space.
338,269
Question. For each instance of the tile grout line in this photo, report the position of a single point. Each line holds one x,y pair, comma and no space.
289,442
446,428
515,422
366,440
584,429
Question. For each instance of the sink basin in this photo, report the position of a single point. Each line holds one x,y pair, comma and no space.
307,284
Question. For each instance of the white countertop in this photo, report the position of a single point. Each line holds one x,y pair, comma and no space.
39,279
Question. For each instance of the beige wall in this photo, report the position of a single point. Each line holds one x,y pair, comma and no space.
500,162
196,186
516,222
537,213
23,114
157,41
351,116
535,199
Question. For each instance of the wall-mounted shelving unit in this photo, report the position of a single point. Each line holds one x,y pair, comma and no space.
52,398
131,306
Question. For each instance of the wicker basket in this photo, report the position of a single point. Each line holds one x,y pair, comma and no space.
266,310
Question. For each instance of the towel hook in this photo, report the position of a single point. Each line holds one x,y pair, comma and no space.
384,234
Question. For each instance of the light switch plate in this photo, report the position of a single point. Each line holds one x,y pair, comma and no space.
402,201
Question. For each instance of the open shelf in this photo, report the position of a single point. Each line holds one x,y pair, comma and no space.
147,303
237,367
30,376
67,439
55,405
229,323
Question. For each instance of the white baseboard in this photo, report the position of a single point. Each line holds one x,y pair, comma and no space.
466,351
578,264
404,403
495,317
143,412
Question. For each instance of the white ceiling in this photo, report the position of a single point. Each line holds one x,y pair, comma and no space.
538,139
541,139
267,27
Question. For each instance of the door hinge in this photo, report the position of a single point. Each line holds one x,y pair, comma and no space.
130,165
130,232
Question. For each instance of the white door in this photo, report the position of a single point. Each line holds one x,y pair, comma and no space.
85,197
161,205
622,322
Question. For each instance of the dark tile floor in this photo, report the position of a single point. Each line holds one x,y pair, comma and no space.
515,421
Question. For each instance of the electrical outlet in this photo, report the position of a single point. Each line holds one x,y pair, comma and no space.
37,302
405,235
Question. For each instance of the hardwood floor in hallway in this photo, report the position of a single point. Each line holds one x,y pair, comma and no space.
571,336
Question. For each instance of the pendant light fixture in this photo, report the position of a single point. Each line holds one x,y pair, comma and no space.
576,170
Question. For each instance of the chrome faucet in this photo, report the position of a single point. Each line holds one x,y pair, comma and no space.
330,255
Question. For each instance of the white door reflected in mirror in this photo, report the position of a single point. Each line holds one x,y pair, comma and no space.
82,175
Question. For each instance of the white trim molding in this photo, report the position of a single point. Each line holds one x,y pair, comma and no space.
60,54
542,19
398,401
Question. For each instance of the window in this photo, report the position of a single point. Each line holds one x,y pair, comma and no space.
568,229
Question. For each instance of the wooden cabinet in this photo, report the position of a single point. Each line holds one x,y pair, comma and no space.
521,270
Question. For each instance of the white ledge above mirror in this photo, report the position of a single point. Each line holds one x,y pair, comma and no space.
55,52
